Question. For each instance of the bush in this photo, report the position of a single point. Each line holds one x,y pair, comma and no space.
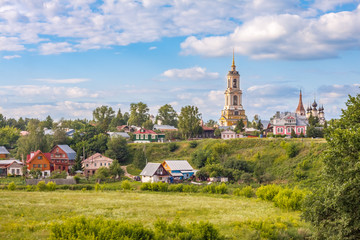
126,185
193,144
290,199
51,186
11,186
221,189
41,186
245,192
209,189
172,147
267,192
145,186
176,187
77,179
97,187
58,174
30,188
291,150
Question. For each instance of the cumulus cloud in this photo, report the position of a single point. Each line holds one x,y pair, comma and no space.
62,81
55,48
284,36
8,57
193,73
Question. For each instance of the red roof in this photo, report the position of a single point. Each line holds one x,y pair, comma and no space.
145,131
205,128
29,159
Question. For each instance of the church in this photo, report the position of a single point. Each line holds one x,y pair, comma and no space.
233,109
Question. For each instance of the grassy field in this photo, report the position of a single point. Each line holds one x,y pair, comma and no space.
28,215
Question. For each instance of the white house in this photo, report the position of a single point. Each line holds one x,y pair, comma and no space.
154,172
228,134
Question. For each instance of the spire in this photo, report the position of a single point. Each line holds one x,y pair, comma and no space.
300,108
233,62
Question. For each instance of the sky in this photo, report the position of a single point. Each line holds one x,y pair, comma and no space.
64,58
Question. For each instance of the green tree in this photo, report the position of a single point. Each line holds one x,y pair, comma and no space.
139,113
240,126
211,123
140,159
217,132
48,123
148,124
118,120
118,149
9,136
167,115
115,170
59,137
102,174
334,207
102,116
21,124
293,134
189,121
259,125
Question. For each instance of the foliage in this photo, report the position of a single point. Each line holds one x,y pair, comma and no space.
126,185
139,113
115,170
167,115
41,186
140,159
245,192
333,208
35,173
11,186
293,134
291,150
189,120
240,126
118,149
172,147
118,120
219,189
102,174
58,174
267,192
77,178
51,186
148,124
9,136
102,117
193,144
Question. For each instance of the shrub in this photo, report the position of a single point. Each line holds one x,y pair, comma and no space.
209,189
291,150
30,188
176,187
163,187
193,144
172,147
246,178
41,186
245,192
51,186
58,174
97,187
11,186
221,189
267,192
77,178
126,185
145,186
290,199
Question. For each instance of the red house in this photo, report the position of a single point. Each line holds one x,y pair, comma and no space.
285,123
62,158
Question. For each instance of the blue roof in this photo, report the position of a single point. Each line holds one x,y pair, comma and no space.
69,151
3,150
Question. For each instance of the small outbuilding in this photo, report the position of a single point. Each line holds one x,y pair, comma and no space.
154,172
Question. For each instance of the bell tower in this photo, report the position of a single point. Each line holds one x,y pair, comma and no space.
233,110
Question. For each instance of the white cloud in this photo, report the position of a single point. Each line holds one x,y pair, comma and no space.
10,44
8,57
63,81
55,48
194,73
284,36
152,48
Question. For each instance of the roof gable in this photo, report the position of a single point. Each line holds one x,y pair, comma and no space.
3,150
69,151
36,154
150,169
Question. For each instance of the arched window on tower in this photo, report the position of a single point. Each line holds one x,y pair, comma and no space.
234,83
235,100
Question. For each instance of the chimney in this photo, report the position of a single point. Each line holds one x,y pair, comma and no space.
32,154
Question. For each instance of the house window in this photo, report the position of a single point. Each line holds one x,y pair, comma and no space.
236,112
235,102
13,171
87,165
45,173
153,136
280,130
288,130
52,155
100,164
57,150
137,136
45,165
17,171
95,164
39,165
63,155
39,157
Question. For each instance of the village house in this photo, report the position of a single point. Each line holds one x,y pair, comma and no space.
285,123
12,166
62,158
154,172
4,153
179,169
94,162
146,136
39,160
228,134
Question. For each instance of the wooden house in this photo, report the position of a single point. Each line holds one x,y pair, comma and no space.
179,169
4,153
154,172
12,166
146,136
39,160
62,158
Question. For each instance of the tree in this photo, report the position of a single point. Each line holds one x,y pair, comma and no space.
48,123
139,113
217,132
259,125
9,136
240,126
118,149
59,137
211,123
189,121
102,174
140,159
293,134
148,124
118,120
115,170
334,207
167,115
102,117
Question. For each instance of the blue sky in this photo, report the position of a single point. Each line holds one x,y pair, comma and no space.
65,58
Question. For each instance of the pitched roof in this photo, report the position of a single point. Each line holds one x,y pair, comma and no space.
150,169
164,127
182,165
96,156
144,131
3,150
9,162
121,134
30,158
69,151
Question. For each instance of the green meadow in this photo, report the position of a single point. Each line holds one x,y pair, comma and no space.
29,215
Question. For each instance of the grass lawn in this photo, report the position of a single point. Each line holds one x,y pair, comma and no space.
27,215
